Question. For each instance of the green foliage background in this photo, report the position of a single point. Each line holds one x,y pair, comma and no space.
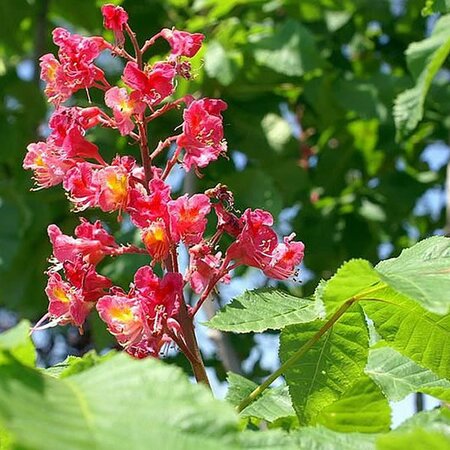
336,65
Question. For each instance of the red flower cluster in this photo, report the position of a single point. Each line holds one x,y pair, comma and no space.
153,311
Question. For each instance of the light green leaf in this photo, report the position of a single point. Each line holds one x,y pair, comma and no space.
273,404
399,376
290,51
122,403
413,331
425,58
422,273
264,309
330,367
6,440
354,278
277,131
307,438
17,342
221,63
427,430
336,19
362,408
75,364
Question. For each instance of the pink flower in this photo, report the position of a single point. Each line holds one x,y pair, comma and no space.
56,89
85,279
157,240
114,18
188,217
93,242
124,106
154,84
204,267
146,208
48,164
80,182
123,316
285,258
182,42
146,347
202,136
75,69
161,301
71,301
257,246
69,126
139,319
113,188
107,187
66,305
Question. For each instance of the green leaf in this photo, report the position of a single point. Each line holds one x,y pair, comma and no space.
413,331
425,58
273,404
362,408
422,273
75,364
122,403
266,196
426,430
354,278
277,131
330,367
399,376
6,440
264,309
436,6
17,342
221,63
307,438
290,51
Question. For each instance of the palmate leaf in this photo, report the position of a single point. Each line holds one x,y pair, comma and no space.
273,404
425,58
260,310
330,367
422,273
122,403
410,329
362,408
399,376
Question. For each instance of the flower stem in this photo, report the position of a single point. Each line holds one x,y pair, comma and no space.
194,356
134,41
307,346
145,154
